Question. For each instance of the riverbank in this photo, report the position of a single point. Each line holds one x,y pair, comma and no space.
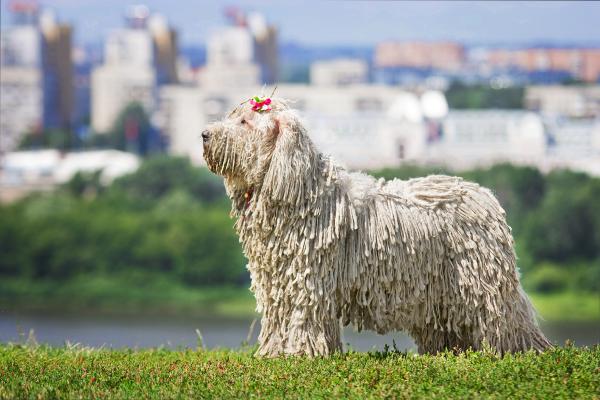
125,295
131,295
43,372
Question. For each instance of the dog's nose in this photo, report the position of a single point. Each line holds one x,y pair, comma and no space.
205,135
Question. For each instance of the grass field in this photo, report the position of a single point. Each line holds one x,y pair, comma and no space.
567,306
42,372
156,295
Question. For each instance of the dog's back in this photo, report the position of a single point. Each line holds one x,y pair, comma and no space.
442,254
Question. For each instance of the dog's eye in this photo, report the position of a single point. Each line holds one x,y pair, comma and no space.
243,122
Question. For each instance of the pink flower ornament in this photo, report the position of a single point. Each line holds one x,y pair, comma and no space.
260,105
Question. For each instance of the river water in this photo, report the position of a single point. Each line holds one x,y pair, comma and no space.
116,332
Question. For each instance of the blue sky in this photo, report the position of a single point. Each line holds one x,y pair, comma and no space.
355,22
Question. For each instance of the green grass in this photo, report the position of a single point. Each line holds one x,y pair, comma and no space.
124,295
567,306
43,372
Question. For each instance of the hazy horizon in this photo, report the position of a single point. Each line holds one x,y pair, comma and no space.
354,23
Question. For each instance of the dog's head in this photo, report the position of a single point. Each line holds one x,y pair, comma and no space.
260,148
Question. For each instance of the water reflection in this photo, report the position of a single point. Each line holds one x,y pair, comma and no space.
96,331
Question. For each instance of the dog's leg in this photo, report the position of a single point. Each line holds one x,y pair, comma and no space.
301,332
270,341
432,340
313,333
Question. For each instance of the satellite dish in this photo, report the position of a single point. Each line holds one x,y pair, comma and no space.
406,107
434,104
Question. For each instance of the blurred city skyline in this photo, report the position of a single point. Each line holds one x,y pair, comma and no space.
309,23
419,89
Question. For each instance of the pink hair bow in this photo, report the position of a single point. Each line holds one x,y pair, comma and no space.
260,105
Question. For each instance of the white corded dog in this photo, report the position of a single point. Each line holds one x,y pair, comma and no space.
430,256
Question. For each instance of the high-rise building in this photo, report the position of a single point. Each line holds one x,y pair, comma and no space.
266,52
243,54
164,39
114,87
137,59
230,60
36,83
58,72
21,104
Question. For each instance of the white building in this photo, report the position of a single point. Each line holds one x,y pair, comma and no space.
266,49
369,127
116,86
21,83
572,101
110,163
21,104
127,76
483,137
353,123
573,143
339,72
232,45
136,59
128,46
230,60
23,172
27,167
35,75
21,45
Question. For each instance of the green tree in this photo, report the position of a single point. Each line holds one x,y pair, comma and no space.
85,184
130,132
51,138
161,175
566,226
461,96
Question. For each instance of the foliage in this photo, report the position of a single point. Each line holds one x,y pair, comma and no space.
161,219
519,189
162,175
461,96
137,292
50,138
566,226
131,292
567,306
30,371
85,184
169,221
547,278
61,238
131,131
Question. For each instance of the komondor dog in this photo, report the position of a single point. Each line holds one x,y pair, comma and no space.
430,256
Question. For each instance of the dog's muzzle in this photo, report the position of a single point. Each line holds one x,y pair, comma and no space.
205,136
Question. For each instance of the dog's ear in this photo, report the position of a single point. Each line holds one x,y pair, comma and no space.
292,173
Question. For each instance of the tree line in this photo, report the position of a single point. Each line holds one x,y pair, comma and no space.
170,219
